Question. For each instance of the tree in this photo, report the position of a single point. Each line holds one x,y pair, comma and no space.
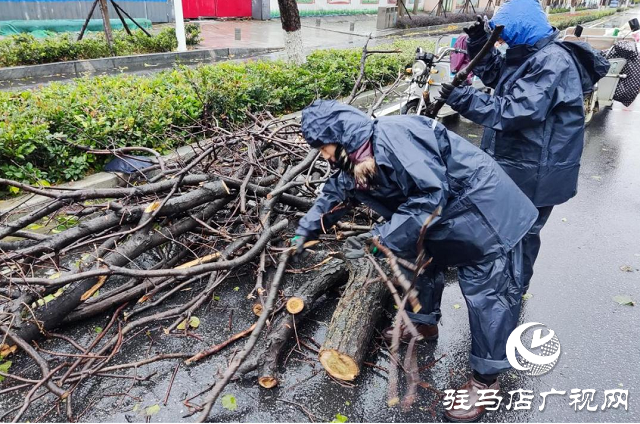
290,18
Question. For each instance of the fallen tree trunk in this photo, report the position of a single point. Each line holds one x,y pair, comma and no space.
352,324
332,274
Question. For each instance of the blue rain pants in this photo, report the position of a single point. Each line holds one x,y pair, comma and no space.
493,293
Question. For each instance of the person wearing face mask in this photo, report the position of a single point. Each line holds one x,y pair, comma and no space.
405,168
534,121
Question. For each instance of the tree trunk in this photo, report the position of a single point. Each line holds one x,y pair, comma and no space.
401,8
416,3
352,324
290,18
329,275
107,24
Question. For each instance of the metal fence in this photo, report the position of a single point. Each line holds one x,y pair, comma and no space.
154,10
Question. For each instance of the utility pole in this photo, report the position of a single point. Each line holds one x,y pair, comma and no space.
180,34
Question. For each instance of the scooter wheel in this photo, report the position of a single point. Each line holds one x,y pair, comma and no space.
410,108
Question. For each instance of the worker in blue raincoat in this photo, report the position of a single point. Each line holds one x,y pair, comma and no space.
405,168
534,121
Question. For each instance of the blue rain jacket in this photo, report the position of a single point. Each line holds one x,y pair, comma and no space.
420,166
534,121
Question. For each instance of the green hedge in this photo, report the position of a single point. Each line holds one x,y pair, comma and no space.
559,10
25,49
164,110
565,21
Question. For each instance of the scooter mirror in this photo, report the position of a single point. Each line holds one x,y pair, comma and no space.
578,31
634,24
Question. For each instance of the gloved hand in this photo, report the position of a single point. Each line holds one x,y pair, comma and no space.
445,91
476,30
355,246
298,242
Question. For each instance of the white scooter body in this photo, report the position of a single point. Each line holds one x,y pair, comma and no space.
440,73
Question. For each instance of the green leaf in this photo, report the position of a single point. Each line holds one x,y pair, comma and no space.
4,367
346,402
527,296
216,298
456,306
340,419
236,288
624,300
14,190
152,410
229,402
97,329
194,322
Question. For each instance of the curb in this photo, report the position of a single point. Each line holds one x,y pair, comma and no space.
422,30
97,180
80,68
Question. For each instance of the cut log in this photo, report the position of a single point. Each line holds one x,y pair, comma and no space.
334,273
352,324
257,309
295,305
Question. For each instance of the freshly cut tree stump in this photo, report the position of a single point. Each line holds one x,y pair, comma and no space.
352,324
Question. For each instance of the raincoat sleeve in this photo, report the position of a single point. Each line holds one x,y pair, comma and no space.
327,210
525,104
422,183
490,66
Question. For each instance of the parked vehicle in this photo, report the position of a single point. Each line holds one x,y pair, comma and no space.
603,39
428,72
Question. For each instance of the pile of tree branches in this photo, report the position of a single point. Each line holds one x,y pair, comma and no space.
189,224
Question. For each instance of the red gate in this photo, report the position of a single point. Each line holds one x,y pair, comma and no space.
194,9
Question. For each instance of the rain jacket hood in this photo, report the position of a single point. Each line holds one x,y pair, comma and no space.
328,122
524,22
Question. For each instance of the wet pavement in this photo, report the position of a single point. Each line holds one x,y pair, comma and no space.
320,32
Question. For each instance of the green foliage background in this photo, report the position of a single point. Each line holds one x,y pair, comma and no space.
39,127
25,49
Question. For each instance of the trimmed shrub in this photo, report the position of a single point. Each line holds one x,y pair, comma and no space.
425,20
559,21
25,49
559,10
566,21
39,127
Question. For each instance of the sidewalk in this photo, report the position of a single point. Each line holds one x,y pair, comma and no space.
333,31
